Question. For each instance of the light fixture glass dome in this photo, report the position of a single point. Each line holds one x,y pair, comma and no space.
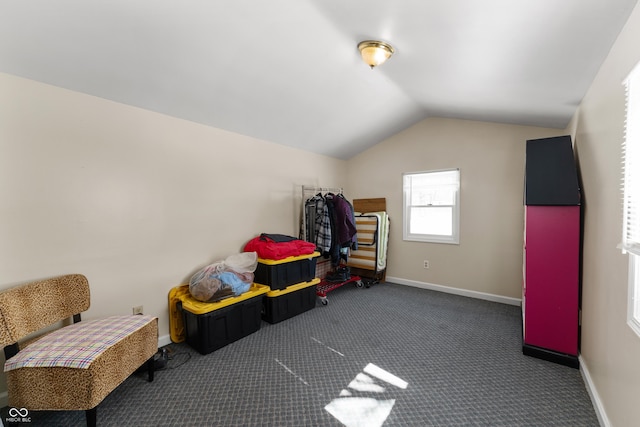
375,52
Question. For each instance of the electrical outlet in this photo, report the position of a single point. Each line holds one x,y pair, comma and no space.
137,309
426,263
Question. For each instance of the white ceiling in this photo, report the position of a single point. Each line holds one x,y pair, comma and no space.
288,71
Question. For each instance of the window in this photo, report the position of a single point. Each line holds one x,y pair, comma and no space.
631,189
633,317
432,206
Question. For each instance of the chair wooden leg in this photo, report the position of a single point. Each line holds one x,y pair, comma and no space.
92,416
151,367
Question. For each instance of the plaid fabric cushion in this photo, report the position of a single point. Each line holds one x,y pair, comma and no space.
77,345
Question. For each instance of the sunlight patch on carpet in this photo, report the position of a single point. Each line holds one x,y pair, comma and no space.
358,411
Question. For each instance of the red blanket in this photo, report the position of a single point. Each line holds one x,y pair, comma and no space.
268,248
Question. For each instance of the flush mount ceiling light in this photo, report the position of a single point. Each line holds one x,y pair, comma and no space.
375,52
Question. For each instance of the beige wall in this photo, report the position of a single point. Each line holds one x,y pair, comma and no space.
138,201
491,159
610,350
135,200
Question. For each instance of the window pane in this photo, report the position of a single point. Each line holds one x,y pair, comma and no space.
636,285
428,195
631,163
435,188
431,220
631,193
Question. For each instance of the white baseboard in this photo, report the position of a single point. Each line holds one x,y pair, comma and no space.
164,340
593,394
456,291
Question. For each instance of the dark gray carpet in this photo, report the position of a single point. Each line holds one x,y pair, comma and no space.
461,359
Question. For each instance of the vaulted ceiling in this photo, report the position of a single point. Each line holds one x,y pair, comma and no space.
288,71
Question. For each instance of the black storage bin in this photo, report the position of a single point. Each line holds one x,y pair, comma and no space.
283,304
278,274
210,326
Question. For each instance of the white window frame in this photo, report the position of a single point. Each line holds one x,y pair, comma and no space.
454,237
633,309
631,195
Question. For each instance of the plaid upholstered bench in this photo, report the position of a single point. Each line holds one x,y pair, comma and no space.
74,367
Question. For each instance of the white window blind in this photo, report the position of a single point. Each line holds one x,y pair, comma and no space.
631,165
631,195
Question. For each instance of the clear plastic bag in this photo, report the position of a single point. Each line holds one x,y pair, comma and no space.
223,279
243,262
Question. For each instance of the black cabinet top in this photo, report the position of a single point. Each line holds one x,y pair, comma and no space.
551,176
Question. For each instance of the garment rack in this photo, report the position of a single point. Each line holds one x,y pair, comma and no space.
324,287
311,189
307,192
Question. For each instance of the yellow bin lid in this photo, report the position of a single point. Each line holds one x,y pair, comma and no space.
181,293
292,288
288,259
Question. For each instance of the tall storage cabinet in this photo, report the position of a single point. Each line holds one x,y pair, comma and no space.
551,283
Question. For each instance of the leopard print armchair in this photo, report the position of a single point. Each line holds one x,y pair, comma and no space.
73,367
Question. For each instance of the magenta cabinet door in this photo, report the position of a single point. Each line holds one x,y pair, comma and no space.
552,242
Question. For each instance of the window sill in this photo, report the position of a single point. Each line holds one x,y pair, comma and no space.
428,240
635,326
